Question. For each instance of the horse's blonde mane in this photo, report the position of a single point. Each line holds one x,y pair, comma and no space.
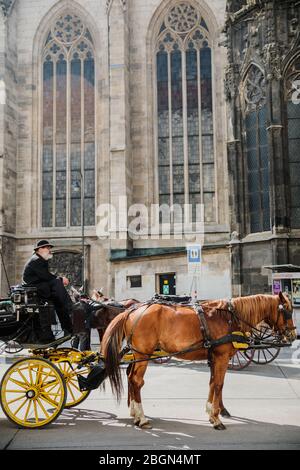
253,309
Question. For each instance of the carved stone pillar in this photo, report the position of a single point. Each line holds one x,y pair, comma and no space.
120,145
8,141
277,154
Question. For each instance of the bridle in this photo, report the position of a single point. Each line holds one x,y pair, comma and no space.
287,315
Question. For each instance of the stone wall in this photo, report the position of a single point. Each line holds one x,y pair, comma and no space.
123,33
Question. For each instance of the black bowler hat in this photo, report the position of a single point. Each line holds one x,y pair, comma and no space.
42,244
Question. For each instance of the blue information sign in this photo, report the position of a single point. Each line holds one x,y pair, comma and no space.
194,254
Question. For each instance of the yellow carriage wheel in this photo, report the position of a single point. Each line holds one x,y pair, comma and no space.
33,393
74,395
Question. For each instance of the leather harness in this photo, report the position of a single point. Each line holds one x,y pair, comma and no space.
207,343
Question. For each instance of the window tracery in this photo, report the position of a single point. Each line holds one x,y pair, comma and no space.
185,110
68,142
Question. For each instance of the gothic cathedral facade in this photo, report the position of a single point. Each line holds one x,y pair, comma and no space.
124,103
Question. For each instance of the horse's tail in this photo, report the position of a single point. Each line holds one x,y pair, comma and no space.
111,348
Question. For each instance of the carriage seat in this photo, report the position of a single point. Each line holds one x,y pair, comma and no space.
174,299
38,313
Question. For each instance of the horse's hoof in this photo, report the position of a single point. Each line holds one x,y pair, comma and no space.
219,427
225,413
146,426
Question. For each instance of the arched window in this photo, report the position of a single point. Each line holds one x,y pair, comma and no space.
68,129
293,119
256,146
185,111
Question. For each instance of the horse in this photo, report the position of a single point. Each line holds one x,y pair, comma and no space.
87,315
180,331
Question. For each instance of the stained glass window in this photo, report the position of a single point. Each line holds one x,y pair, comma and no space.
293,115
68,152
185,110
257,156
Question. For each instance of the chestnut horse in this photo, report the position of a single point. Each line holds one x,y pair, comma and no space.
176,329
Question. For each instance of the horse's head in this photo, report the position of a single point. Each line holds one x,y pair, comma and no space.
282,319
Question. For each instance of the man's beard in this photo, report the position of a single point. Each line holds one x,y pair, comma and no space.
47,256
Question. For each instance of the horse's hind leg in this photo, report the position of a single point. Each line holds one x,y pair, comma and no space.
220,367
135,383
130,400
211,391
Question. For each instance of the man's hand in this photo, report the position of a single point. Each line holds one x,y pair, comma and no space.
65,281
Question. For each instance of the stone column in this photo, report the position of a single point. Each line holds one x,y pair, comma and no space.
277,150
236,173
119,123
8,141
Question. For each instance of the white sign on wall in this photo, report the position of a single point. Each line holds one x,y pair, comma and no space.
194,259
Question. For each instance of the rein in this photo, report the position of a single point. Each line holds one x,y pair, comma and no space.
207,342
281,309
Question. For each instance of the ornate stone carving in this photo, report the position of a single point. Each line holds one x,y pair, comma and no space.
272,61
230,82
109,4
255,88
6,6
68,28
183,28
68,36
182,18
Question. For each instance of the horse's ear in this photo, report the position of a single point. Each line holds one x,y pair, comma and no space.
281,296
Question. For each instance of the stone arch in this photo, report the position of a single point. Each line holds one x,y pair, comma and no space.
54,12
207,13
249,97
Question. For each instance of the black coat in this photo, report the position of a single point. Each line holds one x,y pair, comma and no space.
36,273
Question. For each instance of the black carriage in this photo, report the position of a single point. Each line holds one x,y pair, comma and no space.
24,317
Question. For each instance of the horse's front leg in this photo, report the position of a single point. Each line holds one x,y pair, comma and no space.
135,383
220,368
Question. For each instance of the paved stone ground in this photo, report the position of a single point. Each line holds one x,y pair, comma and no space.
264,402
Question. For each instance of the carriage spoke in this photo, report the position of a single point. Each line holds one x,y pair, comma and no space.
27,411
15,400
50,384
42,407
48,375
71,391
23,377
35,412
265,356
75,385
49,400
20,384
20,407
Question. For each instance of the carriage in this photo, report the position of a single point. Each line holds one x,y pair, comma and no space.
36,388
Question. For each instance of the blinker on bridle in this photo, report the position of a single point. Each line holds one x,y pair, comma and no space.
287,315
